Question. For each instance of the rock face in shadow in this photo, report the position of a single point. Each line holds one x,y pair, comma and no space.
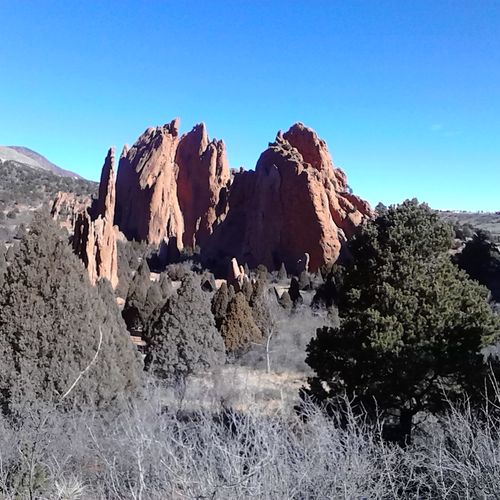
203,175
94,238
294,203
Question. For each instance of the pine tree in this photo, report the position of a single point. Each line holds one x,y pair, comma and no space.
480,259
294,292
282,274
220,301
184,339
260,305
54,324
412,323
238,327
285,301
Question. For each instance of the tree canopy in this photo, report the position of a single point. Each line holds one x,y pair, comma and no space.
412,324
183,339
54,324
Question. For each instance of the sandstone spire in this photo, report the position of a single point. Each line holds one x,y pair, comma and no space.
94,238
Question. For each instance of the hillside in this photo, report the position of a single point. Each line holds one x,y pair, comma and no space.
29,157
24,188
487,221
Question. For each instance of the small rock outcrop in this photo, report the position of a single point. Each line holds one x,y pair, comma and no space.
67,207
236,276
94,238
294,203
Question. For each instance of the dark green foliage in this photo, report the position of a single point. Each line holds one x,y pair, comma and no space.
463,231
145,299
260,305
247,289
480,259
294,292
380,208
282,274
135,312
327,293
51,321
412,323
238,327
220,301
184,339
262,272
179,270
305,281
165,286
285,301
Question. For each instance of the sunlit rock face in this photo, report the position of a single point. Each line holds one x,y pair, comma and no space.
94,238
294,203
177,191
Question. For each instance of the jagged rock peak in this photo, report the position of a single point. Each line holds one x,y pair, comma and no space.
294,203
203,175
146,204
105,205
313,149
94,236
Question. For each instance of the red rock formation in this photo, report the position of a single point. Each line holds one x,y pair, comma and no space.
294,203
169,188
203,173
66,208
147,208
94,239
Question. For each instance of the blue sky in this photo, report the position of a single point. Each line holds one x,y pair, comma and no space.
406,93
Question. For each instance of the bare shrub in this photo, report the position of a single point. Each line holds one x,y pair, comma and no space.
154,452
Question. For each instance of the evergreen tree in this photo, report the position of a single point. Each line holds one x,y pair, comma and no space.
285,301
136,311
304,281
294,292
282,274
220,301
412,323
184,339
480,259
247,289
260,305
54,324
238,327
165,285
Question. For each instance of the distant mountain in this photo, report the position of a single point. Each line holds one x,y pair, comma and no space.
25,187
26,156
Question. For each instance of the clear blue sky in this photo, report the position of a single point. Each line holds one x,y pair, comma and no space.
406,93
